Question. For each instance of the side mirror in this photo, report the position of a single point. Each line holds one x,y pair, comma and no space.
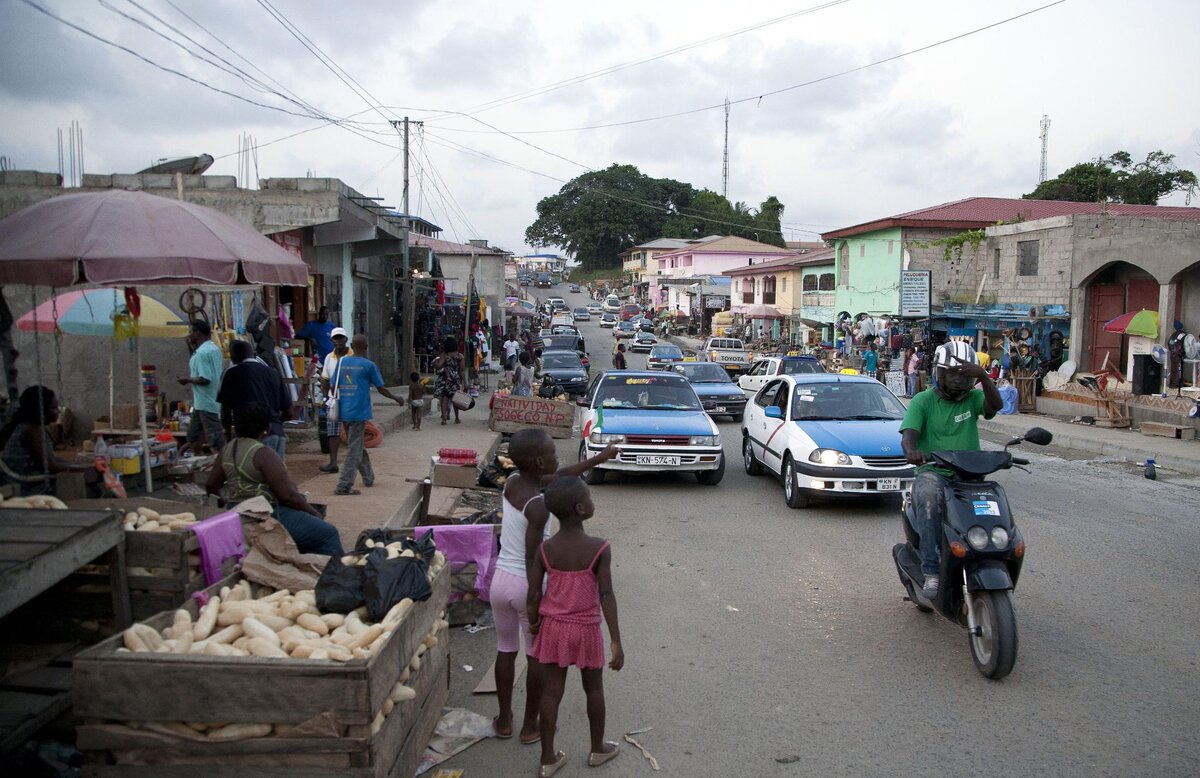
1039,436
773,412
582,402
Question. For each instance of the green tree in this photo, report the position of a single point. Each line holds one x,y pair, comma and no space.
1118,179
712,214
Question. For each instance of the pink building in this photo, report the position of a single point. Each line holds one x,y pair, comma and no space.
706,257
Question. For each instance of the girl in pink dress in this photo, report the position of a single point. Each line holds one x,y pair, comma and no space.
566,619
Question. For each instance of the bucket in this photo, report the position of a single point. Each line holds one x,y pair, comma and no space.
463,401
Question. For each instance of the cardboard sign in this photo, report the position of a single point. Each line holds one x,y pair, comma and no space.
510,414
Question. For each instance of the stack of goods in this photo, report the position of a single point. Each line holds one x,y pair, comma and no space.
458,456
37,502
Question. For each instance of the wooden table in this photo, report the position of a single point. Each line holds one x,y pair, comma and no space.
39,548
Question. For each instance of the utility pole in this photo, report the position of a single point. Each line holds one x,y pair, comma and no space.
725,164
407,347
1045,136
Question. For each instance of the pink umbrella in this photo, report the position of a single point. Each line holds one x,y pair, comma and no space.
123,237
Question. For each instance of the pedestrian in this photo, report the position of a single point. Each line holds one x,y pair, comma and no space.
912,372
511,347
522,531
249,380
416,398
566,619
451,377
356,376
871,359
523,376
618,361
318,333
329,372
204,376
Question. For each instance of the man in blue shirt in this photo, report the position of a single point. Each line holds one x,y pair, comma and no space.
318,332
204,376
355,379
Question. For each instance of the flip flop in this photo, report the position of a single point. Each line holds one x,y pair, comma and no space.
346,492
597,758
496,729
528,742
548,770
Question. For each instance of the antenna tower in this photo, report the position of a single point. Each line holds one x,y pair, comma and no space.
725,164
1045,136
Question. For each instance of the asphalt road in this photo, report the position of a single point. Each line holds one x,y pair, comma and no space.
764,641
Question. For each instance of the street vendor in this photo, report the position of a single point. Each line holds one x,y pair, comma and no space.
247,468
204,376
318,333
27,448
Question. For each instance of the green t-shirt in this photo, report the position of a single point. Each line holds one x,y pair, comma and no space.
945,425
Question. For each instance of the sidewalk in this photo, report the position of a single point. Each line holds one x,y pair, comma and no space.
1179,455
404,454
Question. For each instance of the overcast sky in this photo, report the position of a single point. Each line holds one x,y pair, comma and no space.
957,120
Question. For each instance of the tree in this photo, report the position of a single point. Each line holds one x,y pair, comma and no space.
712,214
1117,179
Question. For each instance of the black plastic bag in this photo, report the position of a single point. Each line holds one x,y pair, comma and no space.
423,546
379,535
388,581
340,587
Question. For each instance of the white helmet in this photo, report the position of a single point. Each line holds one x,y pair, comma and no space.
953,353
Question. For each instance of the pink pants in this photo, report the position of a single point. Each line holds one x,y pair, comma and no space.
510,609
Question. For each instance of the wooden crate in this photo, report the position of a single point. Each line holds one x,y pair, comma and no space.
166,551
114,686
1166,430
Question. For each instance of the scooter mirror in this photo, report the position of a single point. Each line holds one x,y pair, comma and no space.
1039,436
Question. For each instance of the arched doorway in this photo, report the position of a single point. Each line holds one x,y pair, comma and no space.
1115,289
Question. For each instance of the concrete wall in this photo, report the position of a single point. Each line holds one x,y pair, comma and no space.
1056,246
873,285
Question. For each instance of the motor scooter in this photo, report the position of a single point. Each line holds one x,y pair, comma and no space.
981,551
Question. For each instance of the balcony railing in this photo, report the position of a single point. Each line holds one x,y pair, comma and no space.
747,298
768,298
817,299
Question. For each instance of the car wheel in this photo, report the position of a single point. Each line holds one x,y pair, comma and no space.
753,466
792,494
712,477
593,476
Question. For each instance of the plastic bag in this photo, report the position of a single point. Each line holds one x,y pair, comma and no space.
388,581
340,587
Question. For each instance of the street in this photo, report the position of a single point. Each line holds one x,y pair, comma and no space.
766,641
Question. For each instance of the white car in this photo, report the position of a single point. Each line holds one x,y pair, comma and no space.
826,434
595,309
763,370
612,304
608,320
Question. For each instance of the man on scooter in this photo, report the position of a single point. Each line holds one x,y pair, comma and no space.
943,419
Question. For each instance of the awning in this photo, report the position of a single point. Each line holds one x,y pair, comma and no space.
758,311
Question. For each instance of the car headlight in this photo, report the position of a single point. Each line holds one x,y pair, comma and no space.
999,537
605,438
829,457
978,538
705,440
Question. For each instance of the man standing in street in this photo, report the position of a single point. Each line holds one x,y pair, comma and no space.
317,332
511,347
333,428
356,376
249,380
204,376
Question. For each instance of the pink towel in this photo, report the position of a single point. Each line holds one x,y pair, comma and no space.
465,543
220,538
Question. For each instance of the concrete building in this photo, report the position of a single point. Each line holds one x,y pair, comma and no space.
704,257
638,262
455,261
786,291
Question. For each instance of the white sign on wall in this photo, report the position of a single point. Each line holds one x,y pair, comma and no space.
914,293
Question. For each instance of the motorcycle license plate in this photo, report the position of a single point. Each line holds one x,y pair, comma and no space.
888,484
719,409
656,459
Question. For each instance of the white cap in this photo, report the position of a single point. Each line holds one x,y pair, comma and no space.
953,353
338,331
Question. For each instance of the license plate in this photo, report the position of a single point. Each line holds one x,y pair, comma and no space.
888,484
719,409
656,459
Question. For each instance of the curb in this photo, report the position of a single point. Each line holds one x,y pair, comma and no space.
1128,453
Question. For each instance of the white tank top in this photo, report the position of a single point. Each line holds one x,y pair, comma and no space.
513,525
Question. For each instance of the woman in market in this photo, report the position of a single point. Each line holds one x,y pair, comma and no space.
523,376
246,468
27,448
451,371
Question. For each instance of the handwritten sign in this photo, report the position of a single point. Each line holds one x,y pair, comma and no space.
510,414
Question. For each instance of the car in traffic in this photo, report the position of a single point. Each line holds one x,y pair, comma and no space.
544,280
595,309
645,325
826,435
729,353
608,320
575,288
655,420
623,329
581,314
664,356
567,342
718,394
766,368
556,303
612,304
643,341
524,280
567,370
630,310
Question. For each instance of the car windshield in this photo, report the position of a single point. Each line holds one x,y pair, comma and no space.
801,366
666,352
558,342
561,360
850,400
581,310
705,373
625,325
662,393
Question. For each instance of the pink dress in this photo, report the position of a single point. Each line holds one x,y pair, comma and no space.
570,625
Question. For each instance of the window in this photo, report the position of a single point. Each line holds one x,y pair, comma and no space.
862,249
1027,258
996,264
891,245
766,397
844,264
827,282
783,286
810,283
768,288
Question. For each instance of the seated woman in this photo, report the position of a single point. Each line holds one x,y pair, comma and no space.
27,448
247,468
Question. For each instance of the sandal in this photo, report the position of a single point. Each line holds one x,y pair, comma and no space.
548,770
346,492
597,758
496,729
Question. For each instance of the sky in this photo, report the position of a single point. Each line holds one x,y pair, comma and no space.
952,111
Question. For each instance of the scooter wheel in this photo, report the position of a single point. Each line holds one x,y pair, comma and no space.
995,648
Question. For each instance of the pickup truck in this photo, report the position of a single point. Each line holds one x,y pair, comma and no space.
562,318
729,353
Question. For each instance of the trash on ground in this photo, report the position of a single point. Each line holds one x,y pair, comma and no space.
649,757
458,730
